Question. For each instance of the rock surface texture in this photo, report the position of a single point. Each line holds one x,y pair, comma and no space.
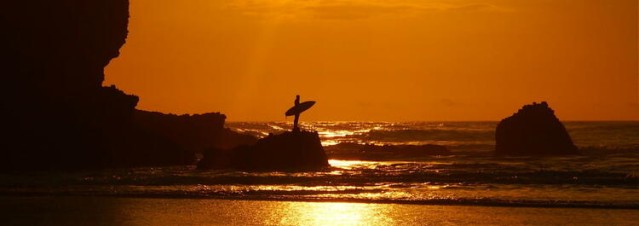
533,130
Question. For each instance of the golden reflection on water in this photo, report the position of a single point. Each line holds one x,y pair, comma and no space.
348,164
69,210
334,213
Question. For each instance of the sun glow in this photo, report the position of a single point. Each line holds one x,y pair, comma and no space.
337,214
382,60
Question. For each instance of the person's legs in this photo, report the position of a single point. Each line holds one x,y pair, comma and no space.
297,118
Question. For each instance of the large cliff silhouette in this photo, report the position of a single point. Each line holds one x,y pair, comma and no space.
55,112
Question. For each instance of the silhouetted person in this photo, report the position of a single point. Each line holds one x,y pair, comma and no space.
297,109
297,115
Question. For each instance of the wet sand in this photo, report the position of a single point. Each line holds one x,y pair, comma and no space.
69,210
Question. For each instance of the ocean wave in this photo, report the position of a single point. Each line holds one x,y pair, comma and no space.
358,151
353,195
569,181
430,134
457,136
365,174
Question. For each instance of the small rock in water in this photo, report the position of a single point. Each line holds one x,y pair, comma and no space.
299,150
533,130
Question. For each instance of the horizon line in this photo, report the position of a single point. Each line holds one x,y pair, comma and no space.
409,121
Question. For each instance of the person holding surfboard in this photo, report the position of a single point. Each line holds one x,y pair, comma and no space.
297,109
297,115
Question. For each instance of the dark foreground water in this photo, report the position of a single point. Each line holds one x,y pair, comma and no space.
605,176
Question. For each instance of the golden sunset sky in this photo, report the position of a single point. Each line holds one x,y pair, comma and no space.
391,60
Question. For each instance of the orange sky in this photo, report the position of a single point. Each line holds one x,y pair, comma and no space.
391,60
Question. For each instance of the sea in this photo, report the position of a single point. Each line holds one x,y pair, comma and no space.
605,176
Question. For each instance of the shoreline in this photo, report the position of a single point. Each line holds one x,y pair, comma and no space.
74,210
435,202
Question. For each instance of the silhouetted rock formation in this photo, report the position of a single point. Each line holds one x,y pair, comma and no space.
195,133
286,151
355,151
55,114
533,130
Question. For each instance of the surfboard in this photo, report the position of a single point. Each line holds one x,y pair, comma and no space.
299,108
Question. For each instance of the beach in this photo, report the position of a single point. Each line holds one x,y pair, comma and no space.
79,210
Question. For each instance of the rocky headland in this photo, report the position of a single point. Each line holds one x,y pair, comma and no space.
56,114
193,132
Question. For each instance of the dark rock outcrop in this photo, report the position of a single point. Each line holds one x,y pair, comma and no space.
355,151
533,130
286,151
194,133
55,113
